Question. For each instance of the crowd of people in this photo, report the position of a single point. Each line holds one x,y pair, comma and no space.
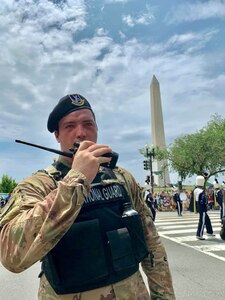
199,200
183,200
167,200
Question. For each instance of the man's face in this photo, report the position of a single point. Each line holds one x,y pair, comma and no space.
77,126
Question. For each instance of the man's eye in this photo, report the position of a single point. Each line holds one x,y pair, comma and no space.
69,126
89,124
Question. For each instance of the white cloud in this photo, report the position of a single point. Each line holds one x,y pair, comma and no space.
117,1
144,18
200,10
128,20
190,41
122,35
101,31
41,62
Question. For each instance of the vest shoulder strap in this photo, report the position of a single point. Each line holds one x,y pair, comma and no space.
52,171
58,171
121,178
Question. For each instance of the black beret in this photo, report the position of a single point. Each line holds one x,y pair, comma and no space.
65,106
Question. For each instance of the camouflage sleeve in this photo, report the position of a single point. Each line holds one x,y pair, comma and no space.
38,214
156,267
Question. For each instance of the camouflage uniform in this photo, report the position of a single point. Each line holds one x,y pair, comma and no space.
39,213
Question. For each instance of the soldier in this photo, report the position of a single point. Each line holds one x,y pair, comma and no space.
202,204
74,217
149,200
178,201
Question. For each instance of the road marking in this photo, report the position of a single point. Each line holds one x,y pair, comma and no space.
215,228
178,226
182,221
191,238
213,247
172,227
194,247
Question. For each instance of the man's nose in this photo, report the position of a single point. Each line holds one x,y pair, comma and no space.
80,132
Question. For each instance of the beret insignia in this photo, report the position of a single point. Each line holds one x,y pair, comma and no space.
77,99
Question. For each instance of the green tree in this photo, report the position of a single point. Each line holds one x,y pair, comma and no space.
203,151
7,184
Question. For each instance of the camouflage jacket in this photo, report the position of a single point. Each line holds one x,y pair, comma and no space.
40,211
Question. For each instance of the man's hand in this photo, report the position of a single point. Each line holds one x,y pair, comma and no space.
89,157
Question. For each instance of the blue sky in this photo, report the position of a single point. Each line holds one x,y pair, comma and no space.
107,51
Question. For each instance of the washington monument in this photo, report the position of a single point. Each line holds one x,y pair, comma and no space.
158,134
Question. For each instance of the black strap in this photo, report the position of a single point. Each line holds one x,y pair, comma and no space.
104,174
63,169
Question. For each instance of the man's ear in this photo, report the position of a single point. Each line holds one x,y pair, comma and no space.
56,133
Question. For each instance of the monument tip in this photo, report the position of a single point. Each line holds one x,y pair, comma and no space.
154,80
154,77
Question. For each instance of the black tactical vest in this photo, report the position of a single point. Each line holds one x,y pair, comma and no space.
101,247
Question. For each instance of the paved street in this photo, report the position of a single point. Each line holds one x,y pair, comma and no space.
182,230
197,267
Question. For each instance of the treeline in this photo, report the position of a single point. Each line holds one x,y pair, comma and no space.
7,184
201,152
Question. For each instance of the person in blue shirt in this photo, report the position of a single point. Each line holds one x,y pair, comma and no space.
201,200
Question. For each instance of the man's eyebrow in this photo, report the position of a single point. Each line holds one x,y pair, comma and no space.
80,121
69,122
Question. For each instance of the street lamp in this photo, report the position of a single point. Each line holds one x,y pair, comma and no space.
150,154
